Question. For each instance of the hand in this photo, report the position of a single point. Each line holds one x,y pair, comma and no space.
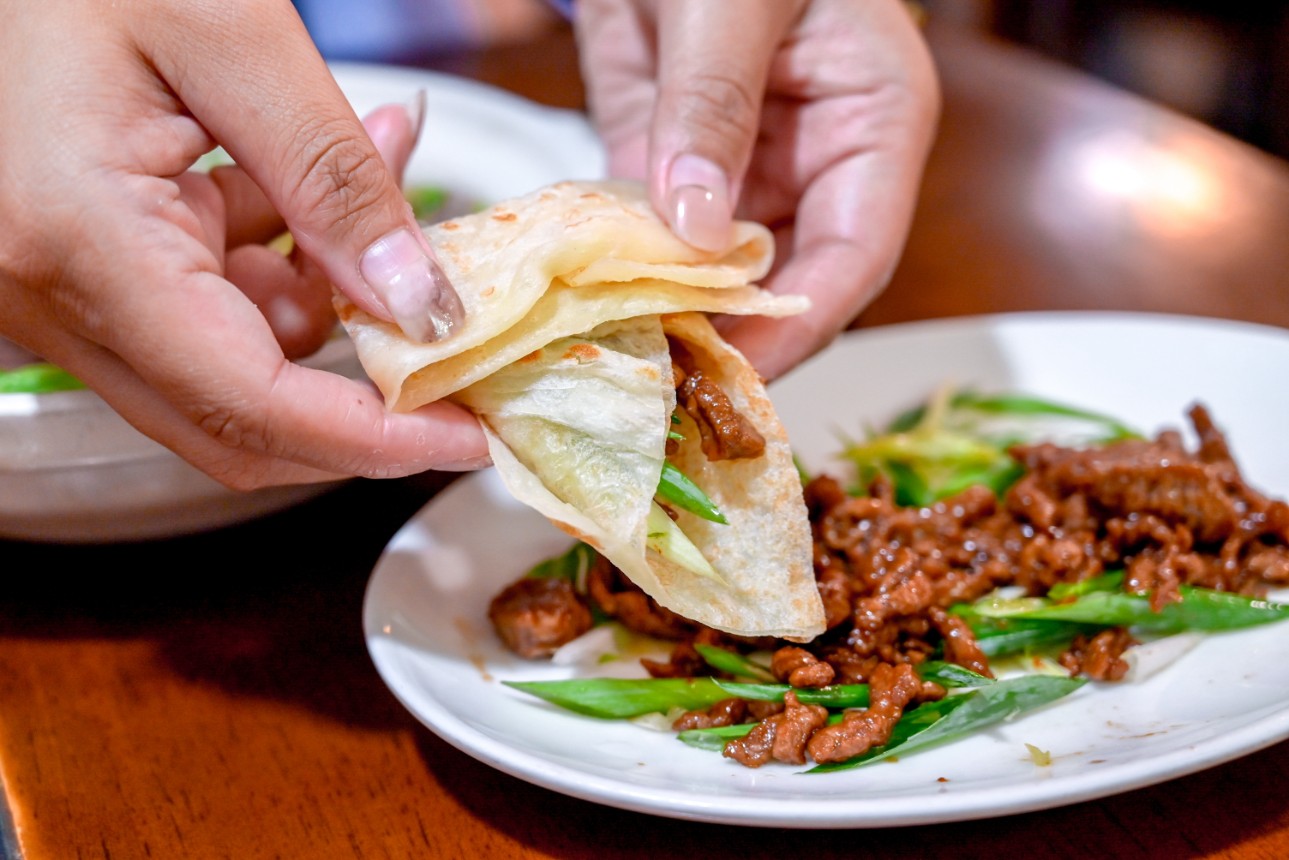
814,118
150,283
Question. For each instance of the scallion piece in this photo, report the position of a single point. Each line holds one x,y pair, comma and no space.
954,717
37,378
677,489
731,663
623,698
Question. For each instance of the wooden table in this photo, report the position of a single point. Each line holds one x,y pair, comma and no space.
213,696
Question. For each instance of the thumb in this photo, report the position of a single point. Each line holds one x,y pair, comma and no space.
281,115
713,61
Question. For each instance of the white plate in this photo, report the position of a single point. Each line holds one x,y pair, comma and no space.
427,631
479,142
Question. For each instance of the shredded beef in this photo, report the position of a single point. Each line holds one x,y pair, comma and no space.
617,596
1100,656
888,576
726,712
535,616
782,737
799,668
891,688
724,432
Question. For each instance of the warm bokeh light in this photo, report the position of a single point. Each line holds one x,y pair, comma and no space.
1168,186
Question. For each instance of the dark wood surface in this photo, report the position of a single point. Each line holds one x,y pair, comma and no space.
211,696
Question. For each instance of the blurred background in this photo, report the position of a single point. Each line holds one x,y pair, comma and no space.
1224,62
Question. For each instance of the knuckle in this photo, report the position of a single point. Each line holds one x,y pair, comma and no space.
719,103
343,176
244,438
233,428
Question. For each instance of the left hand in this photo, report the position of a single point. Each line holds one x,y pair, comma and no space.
814,117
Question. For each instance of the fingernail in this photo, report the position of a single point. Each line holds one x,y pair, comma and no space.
412,286
415,108
699,203
466,465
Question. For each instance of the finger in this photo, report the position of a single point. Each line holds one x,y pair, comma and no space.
191,362
282,117
303,426
395,130
713,61
616,43
289,292
850,230
251,218
294,294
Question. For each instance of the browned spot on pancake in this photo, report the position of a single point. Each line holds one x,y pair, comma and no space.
487,292
505,216
574,532
580,352
532,356
449,225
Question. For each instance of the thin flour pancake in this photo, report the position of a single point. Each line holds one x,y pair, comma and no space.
505,259
571,374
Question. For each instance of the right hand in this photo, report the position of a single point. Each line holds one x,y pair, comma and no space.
149,282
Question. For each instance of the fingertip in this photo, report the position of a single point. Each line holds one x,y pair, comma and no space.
400,270
403,274
395,130
698,202
459,443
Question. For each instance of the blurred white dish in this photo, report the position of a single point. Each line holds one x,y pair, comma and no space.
427,629
71,470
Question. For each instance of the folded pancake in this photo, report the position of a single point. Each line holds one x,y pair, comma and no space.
579,304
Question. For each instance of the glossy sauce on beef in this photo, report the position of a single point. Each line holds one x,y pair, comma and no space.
887,574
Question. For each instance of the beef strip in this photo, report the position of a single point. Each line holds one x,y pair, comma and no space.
724,432
891,688
782,737
1100,656
799,668
535,616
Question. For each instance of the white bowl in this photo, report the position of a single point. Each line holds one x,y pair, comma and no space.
72,470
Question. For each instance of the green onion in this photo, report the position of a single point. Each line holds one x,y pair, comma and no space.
724,660
675,487
962,439
1002,637
957,716
1019,404
1063,591
714,739
426,200
573,566
951,674
834,696
623,698
37,378
1198,609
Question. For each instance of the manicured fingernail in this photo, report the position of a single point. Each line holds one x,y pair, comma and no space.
412,286
466,465
698,201
415,108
